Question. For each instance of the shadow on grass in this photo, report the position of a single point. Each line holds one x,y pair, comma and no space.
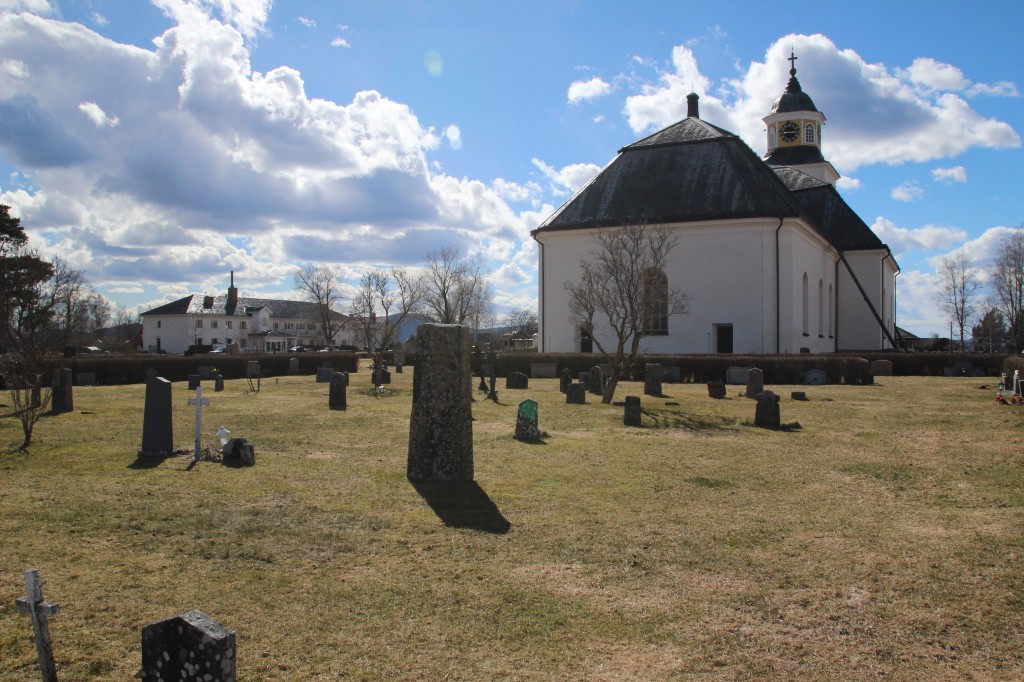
463,504
667,419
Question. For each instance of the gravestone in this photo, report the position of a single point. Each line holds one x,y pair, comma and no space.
252,370
338,395
493,370
576,394
798,395
399,366
595,384
755,382
517,381
564,380
41,612
716,390
238,452
86,378
293,366
323,375
157,425
766,414
671,375
204,371
735,376
218,383
584,378
62,398
632,413
543,370
526,421
191,646
652,379
399,359
881,368
193,382
381,377
483,379
815,377
441,424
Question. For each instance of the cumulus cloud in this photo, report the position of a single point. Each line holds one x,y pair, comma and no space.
950,175
582,91
907,192
35,6
306,21
848,184
927,238
570,178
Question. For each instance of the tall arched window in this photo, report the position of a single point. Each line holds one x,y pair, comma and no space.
821,309
656,303
806,326
771,138
809,133
831,314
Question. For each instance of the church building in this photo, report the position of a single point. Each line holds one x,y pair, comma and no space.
771,256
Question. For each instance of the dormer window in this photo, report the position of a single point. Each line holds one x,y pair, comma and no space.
809,133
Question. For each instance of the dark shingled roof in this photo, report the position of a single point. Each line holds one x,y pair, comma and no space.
688,171
793,99
194,305
794,156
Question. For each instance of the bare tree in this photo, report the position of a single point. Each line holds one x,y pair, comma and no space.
959,284
521,323
383,301
1008,282
320,285
455,290
623,294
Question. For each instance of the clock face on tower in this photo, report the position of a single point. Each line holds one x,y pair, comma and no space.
789,132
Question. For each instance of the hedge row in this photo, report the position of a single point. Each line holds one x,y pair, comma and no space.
934,364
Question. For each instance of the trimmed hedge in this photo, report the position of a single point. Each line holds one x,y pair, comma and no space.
934,364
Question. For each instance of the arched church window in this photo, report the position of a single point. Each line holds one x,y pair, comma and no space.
821,309
831,314
806,327
809,133
771,138
656,303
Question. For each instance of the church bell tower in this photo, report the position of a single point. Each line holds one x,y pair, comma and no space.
794,132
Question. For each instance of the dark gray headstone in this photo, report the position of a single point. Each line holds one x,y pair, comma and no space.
517,381
766,414
671,375
441,425
631,416
205,371
576,394
755,382
526,421
193,382
157,425
736,376
338,395
716,389
798,395
652,379
323,375
293,366
252,370
564,380
399,367
218,383
191,646
62,399
239,452
543,370
815,377
881,368
86,378
596,381
584,378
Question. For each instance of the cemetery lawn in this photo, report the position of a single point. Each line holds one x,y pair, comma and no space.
882,540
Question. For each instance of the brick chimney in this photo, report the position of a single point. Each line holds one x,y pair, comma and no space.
232,293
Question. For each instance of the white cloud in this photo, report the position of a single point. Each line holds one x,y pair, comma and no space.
950,175
248,17
568,179
935,75
907,191
98,19
35,6
927,238
97,115
306,21
581,91
340,42
848,184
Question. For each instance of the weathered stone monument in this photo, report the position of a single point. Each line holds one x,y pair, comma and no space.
193,381
338,394
564,380
716,390
191,646
596,381
815,377
736,375
238,452
157,425
766,414
441,425
218,383
517,381
62,398
755,382
543,370
293,366
584,378
798,395
323,374
652,379
576,394
526,421
632,414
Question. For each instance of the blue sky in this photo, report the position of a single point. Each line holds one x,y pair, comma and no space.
159,145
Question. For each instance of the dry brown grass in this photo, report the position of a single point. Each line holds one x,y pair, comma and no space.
882,540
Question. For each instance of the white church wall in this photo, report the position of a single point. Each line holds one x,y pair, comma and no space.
857,327
803,251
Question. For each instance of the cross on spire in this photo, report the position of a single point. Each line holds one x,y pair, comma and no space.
792,62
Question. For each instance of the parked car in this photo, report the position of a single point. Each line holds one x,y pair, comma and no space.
298,349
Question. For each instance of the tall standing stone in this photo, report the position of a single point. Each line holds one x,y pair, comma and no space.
338,395
596,381
157,424
652,379
565,380
527,428
766,414
62,399
191,646
755,382
441,425
631,416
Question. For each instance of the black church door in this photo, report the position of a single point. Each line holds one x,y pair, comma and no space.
723,338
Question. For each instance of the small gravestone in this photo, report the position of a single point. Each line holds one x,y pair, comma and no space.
193,382
483,379
881,368
716,390
293,366
736,375
755,382
564,380
239,452
543,370
631,416
441,423
62,397
191,646
766,414
86,378
323,375
252,370
157,425
798,395
596,381
338,395
576,394
204,371
584,378
652,379
218,383
399,366
526,421
671,375
493,370
815,377
517,381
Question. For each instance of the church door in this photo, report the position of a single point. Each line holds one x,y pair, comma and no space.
723,338
586,343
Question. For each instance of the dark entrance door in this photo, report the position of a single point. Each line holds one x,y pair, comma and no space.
586,343
723,338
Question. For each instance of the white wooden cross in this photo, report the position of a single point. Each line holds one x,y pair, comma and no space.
41,611
198,401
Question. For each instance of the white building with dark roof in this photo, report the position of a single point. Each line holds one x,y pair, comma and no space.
255,324
772,257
